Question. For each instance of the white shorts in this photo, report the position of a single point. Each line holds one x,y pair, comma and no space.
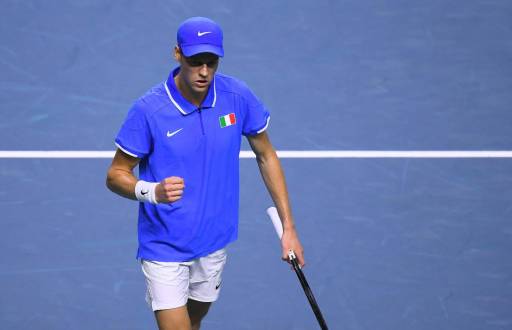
171,284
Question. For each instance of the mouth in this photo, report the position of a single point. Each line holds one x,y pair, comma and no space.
201,83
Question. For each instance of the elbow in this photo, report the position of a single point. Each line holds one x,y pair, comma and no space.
109,181
108,184
266,157
261,159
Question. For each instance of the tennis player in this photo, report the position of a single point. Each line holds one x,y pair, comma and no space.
184,135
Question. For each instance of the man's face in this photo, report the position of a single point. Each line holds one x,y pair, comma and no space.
197,71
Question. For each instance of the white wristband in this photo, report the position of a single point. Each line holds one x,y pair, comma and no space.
145,191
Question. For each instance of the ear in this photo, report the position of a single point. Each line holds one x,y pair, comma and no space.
177,53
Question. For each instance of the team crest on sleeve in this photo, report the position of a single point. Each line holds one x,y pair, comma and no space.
227,120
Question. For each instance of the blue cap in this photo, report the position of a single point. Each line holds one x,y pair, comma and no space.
200,35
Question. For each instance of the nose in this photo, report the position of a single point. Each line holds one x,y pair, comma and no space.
203,71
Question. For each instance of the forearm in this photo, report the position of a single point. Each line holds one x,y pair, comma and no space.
122,182
274,179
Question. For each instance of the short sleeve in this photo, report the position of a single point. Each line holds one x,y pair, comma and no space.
134,137
256,115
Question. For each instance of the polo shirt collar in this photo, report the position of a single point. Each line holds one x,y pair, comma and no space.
184,106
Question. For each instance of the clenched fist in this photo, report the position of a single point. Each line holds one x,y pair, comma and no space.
169,189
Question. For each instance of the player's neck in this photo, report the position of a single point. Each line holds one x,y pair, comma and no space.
196,98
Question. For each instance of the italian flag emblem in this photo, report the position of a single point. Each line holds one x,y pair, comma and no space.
227,120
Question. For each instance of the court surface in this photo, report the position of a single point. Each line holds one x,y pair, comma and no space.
391,243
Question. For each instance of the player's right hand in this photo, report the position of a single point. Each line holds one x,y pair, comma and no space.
169,189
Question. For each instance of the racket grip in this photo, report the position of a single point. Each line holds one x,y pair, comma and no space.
274,216
278,226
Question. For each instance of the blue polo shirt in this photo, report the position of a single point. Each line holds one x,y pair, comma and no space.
172,137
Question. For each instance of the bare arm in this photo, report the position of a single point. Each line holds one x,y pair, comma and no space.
120,178
122,181
273,176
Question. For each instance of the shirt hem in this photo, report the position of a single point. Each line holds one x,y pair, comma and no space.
141,257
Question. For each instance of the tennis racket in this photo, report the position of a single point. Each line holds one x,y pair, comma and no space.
274,216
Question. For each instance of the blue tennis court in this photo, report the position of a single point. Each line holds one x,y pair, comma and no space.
390,243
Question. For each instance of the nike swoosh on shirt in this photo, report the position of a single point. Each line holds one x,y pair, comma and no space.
169,133
200,34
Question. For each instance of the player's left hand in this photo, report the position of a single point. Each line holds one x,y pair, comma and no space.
290,241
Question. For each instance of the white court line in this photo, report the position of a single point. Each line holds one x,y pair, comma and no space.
287,154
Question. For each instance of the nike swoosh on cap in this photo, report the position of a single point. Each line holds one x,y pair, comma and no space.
200,34
169,133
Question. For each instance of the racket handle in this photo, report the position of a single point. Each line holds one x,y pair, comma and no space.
274,216
278,226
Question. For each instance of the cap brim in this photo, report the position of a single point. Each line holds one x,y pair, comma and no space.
202,48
